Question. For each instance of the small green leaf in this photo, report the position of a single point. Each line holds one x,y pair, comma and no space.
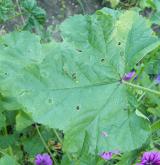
6,141
155,111
114,3
29,4
23,120
128,158
156,126
8,160
33,146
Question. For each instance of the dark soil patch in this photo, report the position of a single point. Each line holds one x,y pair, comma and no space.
58,10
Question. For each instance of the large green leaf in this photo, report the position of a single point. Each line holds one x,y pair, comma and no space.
75,85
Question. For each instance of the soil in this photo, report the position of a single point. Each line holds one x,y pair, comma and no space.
58,10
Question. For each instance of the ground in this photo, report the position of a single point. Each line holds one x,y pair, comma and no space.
58,10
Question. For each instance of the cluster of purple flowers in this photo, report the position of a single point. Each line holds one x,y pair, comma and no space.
108,155
150,158
43,159
130,75
157,80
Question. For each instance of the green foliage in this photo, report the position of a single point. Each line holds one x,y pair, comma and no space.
30,16
6,10
2,120
7,160
23,121
85,87
69,98
35,16
155,13
114,3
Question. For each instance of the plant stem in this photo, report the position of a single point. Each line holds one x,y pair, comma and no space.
3,153
143,94
9,148
58,137
10,151
20,11
45,145
81,5
15,16
141,88
60,140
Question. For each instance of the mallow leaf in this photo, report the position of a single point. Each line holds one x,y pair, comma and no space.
76,85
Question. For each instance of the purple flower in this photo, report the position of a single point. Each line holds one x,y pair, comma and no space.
129,75
150,158
157,80
108,155
43,159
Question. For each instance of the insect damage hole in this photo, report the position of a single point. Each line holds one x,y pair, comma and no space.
79,50
119,43
74,76
102,60
5,73
77,107
50,100
5,45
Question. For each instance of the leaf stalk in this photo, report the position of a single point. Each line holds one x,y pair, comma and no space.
45,145
141,87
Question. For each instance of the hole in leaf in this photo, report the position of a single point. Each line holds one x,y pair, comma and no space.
104,133
5,45
77,108
24,92
102,60
74,76
50,101
119,43
79,50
